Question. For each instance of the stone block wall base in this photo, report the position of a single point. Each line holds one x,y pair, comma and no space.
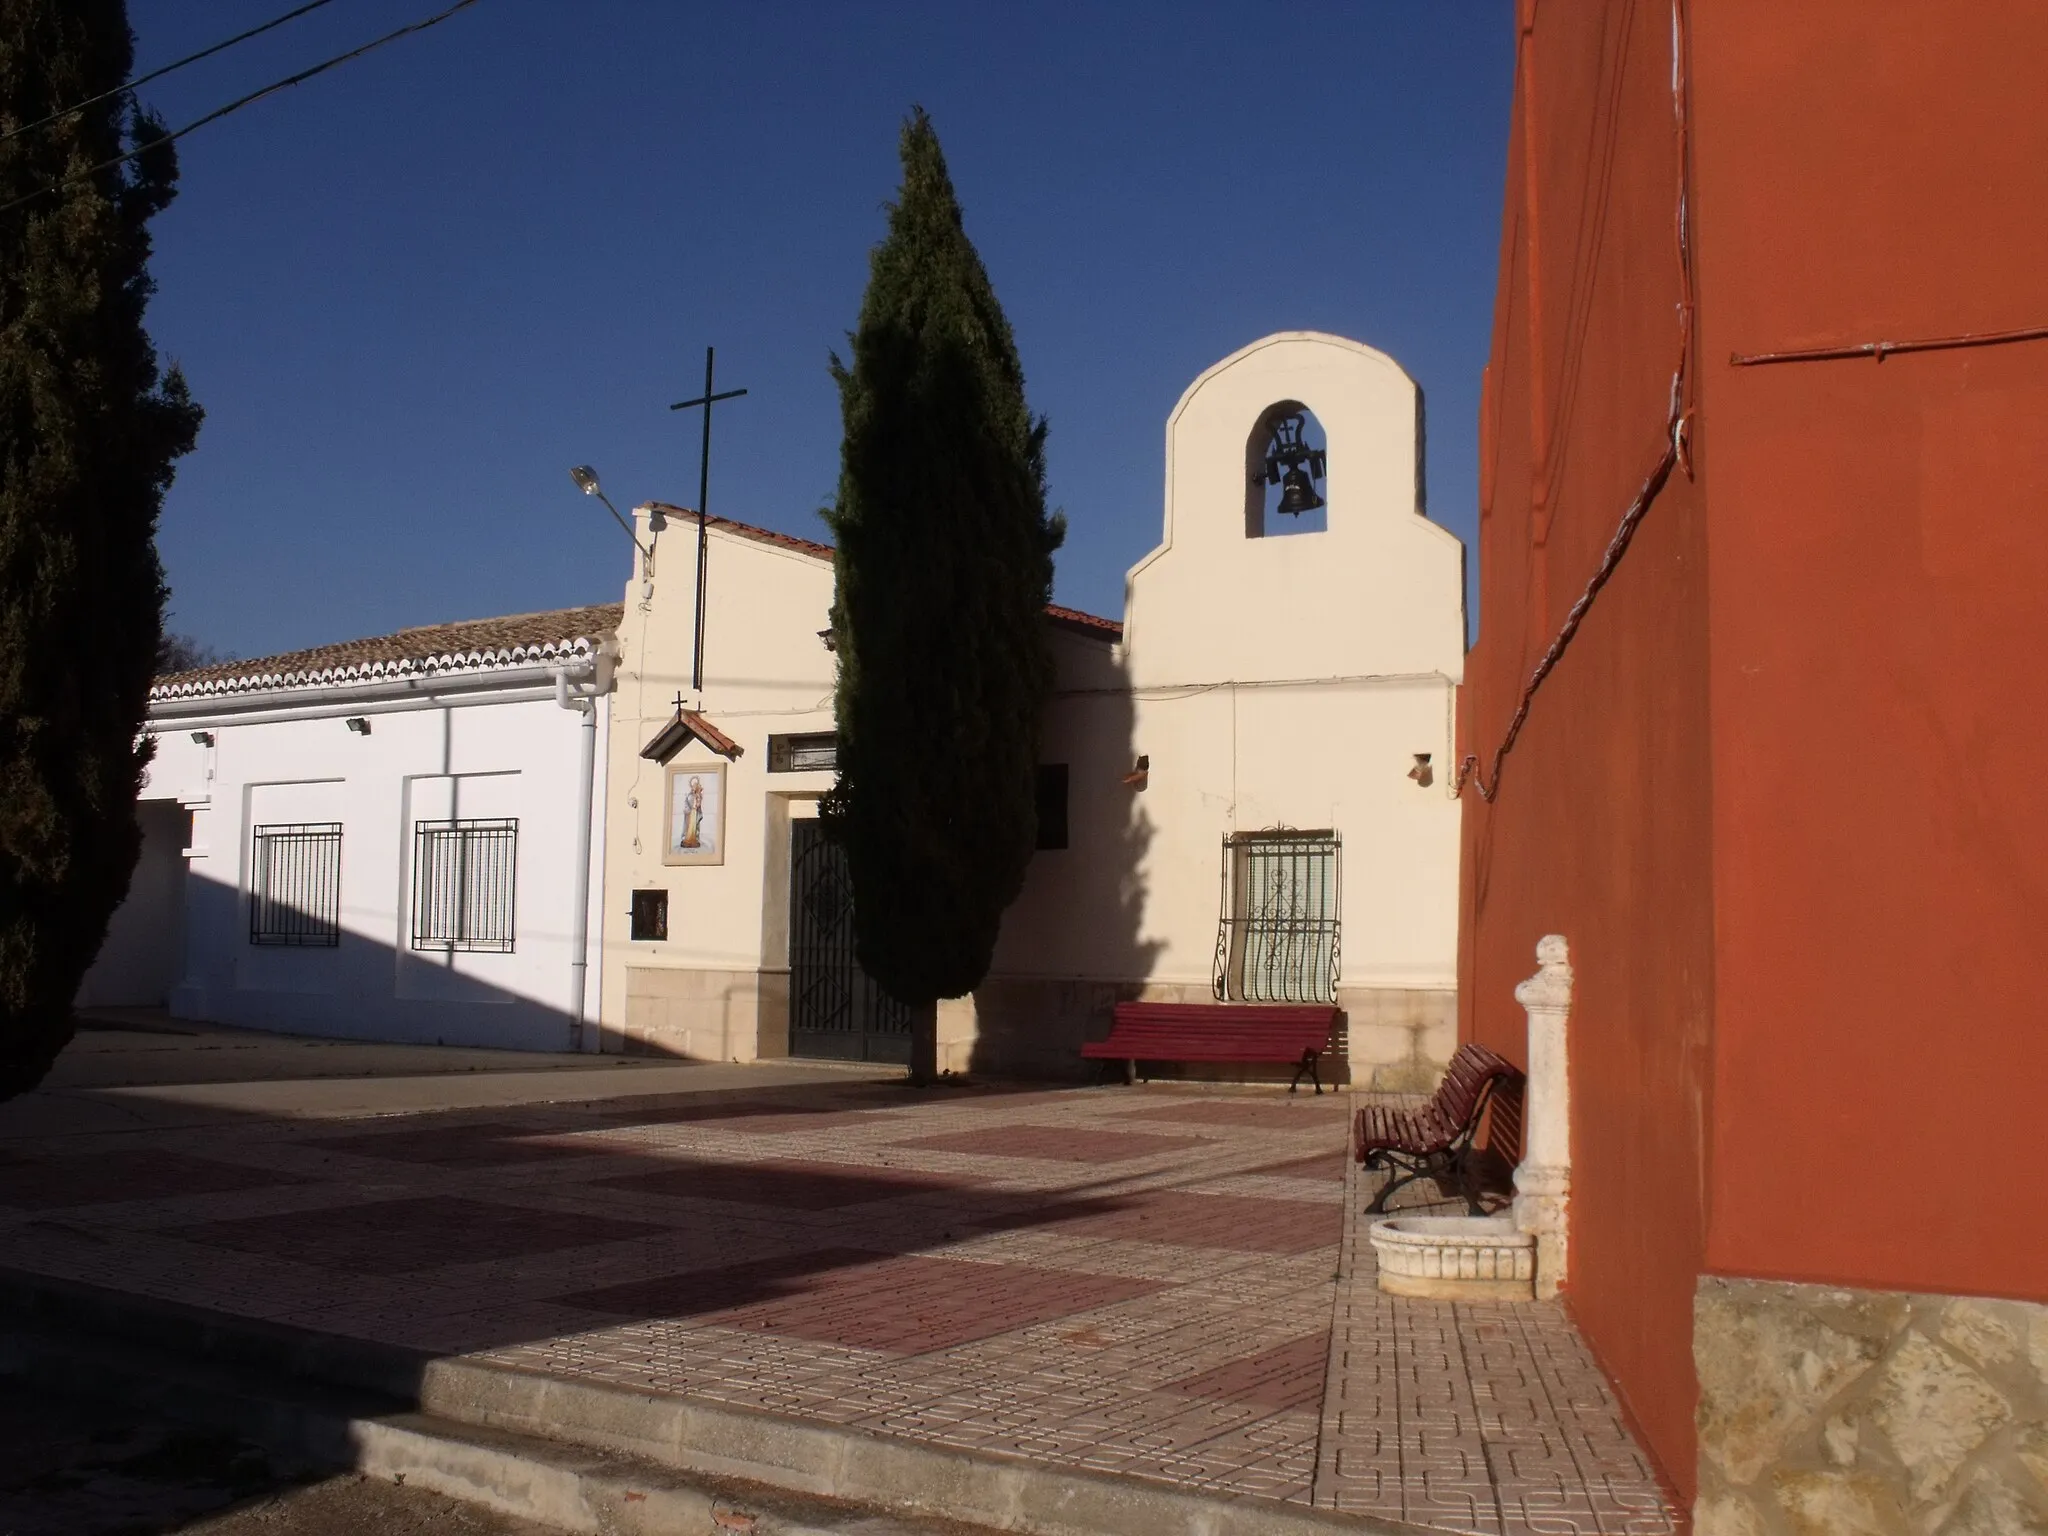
704,1015
1877,1413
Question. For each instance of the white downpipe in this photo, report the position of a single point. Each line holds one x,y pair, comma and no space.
586,795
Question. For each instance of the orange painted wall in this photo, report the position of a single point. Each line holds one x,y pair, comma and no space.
1779,795
1879,583
1603,826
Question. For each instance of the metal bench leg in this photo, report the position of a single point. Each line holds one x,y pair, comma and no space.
1306,1064
1405,1172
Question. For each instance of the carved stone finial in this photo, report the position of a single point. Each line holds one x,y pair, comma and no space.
1551,986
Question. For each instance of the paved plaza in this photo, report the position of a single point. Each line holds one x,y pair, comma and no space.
1167,1283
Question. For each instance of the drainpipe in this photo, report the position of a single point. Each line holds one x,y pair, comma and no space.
586,789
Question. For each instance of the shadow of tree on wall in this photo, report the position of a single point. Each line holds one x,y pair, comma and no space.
1083,905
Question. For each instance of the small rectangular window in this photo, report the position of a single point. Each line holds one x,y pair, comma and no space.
650,916
803,754
295,885
463,873
1052,805
1281,902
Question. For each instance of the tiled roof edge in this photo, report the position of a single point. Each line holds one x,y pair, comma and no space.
264,673
1072,619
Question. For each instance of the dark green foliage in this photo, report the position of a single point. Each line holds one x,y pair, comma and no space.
944,570
185,653
89,429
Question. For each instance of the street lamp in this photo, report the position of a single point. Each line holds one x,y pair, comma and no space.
586,482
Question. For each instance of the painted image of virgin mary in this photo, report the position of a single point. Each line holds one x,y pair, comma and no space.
693,816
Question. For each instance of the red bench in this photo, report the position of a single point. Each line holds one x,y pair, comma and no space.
1435,1139
1246,1032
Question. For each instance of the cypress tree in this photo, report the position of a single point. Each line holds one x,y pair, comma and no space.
89,428
944,568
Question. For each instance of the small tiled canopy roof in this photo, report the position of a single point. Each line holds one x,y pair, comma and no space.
1070,619
688,725
521,637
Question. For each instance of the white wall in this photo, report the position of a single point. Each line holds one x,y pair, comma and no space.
144,953
473,757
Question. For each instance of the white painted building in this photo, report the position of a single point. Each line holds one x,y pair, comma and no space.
390,839
1243,783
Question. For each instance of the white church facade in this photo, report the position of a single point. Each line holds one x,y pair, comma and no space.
1242,783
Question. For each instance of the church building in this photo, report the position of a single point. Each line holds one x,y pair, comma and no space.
1243,786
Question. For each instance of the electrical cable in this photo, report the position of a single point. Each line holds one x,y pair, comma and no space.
158,74
240,102
1676,454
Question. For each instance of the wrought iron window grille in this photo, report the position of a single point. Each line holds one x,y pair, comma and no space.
1277,933
811,753
295,885
463,884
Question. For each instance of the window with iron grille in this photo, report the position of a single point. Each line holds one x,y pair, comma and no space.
462,884
1277,937
295,885
806,753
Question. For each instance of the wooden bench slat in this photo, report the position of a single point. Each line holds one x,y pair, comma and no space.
1216,1032
1436,1135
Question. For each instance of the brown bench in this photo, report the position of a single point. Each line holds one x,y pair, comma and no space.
1435,1139
1233,1032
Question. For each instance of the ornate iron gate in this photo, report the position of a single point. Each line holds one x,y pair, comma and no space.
834,1009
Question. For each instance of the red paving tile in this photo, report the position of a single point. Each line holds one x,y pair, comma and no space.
1054,1143
1288,1375
1251,1114
1232,1223
1327,1166
899,1305
783,1184
459,1146
396,1237
45,1184
757,1119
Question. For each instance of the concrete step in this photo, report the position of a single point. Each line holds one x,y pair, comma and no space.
579,1455
310,1426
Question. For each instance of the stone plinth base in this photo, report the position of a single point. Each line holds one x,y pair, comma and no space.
1834,1410
1455,1258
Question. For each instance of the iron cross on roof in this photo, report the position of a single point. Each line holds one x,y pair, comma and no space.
707,400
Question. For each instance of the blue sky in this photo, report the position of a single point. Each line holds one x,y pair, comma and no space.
411,293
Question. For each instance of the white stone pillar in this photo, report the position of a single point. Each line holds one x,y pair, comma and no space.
1543,1182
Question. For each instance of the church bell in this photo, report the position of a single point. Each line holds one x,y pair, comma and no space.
1297,493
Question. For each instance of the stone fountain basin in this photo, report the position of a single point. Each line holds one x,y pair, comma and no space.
1455,1258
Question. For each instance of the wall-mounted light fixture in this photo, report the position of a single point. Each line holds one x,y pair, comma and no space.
359,724
1141,771
1422,773
203,738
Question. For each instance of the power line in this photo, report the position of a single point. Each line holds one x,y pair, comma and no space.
240,102
158,74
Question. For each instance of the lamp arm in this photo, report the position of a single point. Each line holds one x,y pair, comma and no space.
647,553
